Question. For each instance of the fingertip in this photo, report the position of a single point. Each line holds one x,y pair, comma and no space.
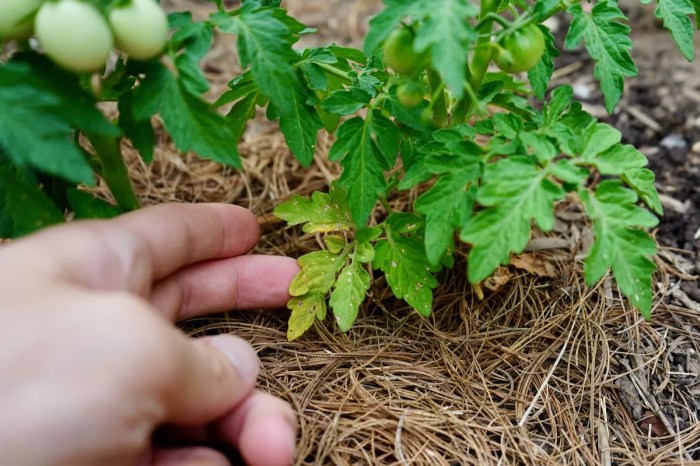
193,456
241,228
240,355
279,446
263,429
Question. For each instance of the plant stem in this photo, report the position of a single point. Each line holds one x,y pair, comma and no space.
114,170
480,62
439,102
334,71
220,5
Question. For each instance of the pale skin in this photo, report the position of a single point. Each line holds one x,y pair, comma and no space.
91,363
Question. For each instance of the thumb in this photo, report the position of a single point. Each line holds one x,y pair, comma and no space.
210,377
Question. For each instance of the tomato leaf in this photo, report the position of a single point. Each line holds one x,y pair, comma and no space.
305,309
349,293
675,15
24,205
642,181
515,191
32,129
190,121
607,39
406,268
619,243
86,206
322,213
140,132
540,75
366,149
265,44
446,31
447,206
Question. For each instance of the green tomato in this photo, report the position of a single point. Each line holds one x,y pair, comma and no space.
400,55
17,18
410,93
520,50
140,28
74,34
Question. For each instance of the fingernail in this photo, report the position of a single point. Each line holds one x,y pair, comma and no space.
241,355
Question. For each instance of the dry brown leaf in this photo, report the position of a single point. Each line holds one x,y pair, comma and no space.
532,264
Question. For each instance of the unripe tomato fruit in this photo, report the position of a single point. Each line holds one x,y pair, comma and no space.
17,19
400,55
140,28
74,34
410,94
520,50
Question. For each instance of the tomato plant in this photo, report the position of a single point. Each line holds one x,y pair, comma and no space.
490,154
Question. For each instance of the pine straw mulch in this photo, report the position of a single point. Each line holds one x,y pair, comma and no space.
541,371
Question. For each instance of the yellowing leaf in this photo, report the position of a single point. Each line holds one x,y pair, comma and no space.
304,312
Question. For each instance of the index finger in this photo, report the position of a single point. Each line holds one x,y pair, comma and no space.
131,252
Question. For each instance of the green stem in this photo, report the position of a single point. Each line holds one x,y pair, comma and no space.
439,102
114,170
480,62
220,5
334,71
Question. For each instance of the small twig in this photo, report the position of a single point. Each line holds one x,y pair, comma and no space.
534,401
643,118
545,243
397,440
604,436
681,296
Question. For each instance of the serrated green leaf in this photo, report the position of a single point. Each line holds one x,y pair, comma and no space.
32,129
25,206
321,213
619,159
541,74
349,293
305,310
598,138
607,40
265,44
446,31
317,273
335,243
346,101
447,206
620,244
86,206
515,192
642,182
676,17
364,252
140,132
366,149
407,271
190,121
546,8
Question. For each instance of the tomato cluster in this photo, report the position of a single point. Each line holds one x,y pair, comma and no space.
76,35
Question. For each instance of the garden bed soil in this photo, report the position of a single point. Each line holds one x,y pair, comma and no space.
543,371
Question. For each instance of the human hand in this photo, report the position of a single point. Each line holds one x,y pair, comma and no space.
91,365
